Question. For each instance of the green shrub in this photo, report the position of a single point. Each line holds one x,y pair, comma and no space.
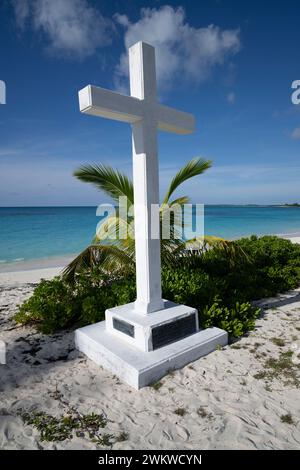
273,267
236,320
184,286
219,288
51,307
55,304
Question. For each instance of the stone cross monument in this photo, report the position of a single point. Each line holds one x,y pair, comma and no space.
140,342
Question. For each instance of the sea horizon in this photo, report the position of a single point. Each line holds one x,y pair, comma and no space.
95,205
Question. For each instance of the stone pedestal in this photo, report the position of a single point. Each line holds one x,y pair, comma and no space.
151,331
140,349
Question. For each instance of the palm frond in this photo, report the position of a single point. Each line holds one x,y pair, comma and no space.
180,201
112,182
230,248
108,257
194,167
114,254
170,251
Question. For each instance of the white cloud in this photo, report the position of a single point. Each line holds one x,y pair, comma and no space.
22,9
182,50
296,133
71,27
122,19
240,184
231,98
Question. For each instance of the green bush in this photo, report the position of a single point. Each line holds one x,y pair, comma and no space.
52,306
218,286
184,286
236,320
273,266
56,304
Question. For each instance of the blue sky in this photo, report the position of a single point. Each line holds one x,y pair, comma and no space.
230,63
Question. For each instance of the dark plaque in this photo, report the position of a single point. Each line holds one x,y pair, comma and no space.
173,331
124,327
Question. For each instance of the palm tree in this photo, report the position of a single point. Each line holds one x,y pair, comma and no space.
115,254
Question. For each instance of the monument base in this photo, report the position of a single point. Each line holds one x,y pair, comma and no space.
139,368
153,330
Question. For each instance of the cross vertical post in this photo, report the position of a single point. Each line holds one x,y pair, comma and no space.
146,116
145,180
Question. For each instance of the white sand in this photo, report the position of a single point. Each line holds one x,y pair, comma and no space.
32,276
46,373
31,272
293,239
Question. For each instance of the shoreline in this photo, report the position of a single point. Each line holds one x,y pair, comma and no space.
32,271
33,276
38,263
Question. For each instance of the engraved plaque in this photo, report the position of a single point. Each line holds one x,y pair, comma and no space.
124,327
173,331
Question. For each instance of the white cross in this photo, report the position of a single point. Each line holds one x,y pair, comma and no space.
145,115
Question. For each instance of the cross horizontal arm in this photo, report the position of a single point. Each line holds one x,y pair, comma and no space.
171,120
109,104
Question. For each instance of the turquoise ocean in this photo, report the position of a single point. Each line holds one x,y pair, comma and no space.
31,233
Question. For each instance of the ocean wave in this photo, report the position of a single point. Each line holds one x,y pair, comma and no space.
15,260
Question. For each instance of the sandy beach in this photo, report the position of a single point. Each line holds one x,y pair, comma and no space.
224,400
293,239
31,272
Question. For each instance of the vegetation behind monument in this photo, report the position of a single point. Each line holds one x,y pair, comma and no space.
220,288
